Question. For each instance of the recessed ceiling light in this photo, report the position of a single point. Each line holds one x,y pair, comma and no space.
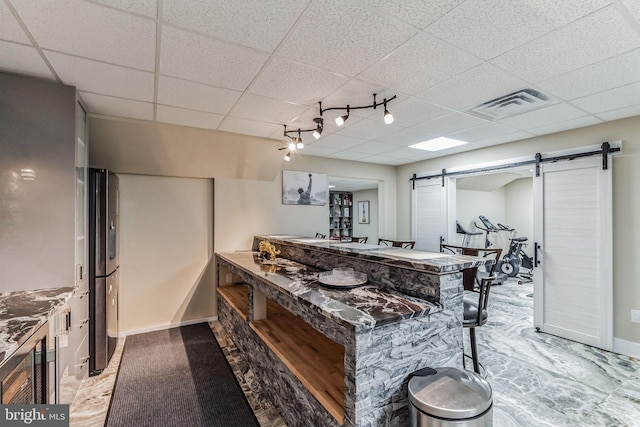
332,186
438,144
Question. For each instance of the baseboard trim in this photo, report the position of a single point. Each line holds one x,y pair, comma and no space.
162,326
628,348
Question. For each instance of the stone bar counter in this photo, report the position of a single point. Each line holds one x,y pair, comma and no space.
331,357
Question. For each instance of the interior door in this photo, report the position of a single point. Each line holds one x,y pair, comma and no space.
432,206
573,275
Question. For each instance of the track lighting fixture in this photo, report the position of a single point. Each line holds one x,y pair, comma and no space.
296,141
388,117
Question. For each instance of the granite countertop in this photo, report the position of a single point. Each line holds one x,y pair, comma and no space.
434,262
363,307
23,312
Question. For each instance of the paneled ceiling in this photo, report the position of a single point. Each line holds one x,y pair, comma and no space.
252,66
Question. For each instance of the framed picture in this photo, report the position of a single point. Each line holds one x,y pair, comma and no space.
304,188
363,212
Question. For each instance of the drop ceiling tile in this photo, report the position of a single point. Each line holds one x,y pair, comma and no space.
103,78
369,129
608,74
180,116
422,62
454,122
621,113
91,31
372,148
379,159
117,107
614,99
260,24
401,153
544,116
502,139
196,96
295,82
265,109
363,37
348,155
489,28
478,85
338,142
317,150
142,7
566,125
194,57
489,130
248,127
405,137
414,111
419,13
594,38
10,29
18,58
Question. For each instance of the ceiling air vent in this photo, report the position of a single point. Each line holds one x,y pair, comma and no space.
515,103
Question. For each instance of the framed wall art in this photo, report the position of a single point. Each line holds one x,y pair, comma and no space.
304,188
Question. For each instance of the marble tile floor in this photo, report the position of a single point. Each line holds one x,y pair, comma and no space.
542,380
537,379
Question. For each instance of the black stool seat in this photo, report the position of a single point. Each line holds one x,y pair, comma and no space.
471,315
475,314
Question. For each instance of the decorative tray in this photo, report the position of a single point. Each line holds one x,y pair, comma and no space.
342,278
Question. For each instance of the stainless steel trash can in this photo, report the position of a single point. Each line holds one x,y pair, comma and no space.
443,397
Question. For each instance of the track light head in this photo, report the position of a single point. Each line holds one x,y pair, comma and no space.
300,145
388,117
292,145
319,127
287,156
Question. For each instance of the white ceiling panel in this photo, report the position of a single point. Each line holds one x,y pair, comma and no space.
565,125
18,58
295,82
260,24
248,127
478,85
10,28
253,66
194,57
196,96
91,31
338,142
363,37
141,7
103,78
621,113
422,62
481,132
181,116
419,13
480,26
552,114
265,109
450,123
592,39
608,74
625,96
117,107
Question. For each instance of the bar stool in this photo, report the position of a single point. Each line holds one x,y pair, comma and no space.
475,315
359,239
397,243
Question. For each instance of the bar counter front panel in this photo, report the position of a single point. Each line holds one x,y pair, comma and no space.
342,357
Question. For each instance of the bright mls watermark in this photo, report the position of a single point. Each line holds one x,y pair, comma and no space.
34,415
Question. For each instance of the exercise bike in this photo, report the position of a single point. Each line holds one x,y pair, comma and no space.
515,259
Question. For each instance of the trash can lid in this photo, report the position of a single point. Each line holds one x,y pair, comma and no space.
450,393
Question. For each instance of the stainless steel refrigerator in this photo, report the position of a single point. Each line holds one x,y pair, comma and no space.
103,268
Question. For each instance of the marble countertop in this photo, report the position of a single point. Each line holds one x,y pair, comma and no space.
23,312
363,307
434,262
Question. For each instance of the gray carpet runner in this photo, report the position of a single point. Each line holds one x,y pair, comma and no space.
177,377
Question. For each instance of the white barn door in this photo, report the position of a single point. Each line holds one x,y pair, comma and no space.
573,226
432,206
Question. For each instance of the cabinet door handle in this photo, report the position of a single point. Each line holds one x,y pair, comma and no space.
84,322
83,294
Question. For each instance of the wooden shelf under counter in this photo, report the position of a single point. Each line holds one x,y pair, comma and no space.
317,361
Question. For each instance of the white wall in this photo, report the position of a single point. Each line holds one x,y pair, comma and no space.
367,230
626,201
519,209
165,247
